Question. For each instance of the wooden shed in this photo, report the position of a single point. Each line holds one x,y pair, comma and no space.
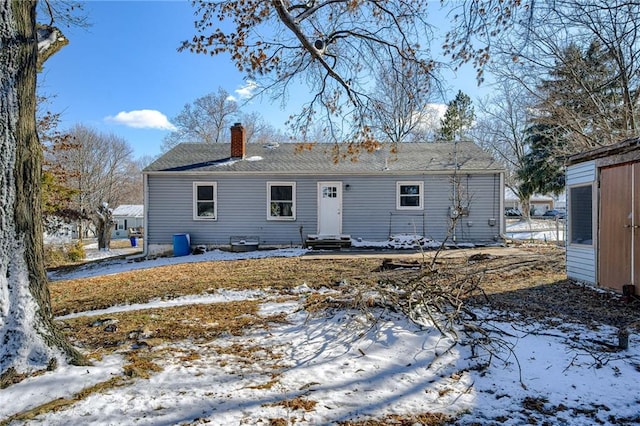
603,200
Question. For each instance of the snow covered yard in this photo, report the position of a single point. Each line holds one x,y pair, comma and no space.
309,360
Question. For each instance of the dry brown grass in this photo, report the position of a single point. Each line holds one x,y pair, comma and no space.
207,321
297,403
61,403
424,419
167,282
164,325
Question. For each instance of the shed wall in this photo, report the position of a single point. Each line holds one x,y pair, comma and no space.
581,259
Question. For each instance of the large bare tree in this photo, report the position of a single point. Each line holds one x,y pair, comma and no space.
580,58
30,340
101,168
501,129
330,46
206,120
400,104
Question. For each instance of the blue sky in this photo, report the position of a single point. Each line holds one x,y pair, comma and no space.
124,75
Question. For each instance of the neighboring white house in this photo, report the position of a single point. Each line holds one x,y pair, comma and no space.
127,218
540,203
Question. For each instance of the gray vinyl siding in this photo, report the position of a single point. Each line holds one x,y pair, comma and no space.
581,260
581,263
241,211
581,173
368,208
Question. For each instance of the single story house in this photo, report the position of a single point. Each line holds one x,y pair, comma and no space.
285,194
603,200
128,220
539,203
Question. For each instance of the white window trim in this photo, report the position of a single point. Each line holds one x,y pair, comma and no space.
420,184
215,201
293,204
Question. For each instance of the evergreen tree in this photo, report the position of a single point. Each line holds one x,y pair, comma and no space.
542,170
583,96
458,118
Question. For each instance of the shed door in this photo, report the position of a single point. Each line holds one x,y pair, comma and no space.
619,231
329,208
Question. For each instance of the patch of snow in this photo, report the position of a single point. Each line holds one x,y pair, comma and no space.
226,163
46,37
63,383
115,266
404,242
356,371
539,230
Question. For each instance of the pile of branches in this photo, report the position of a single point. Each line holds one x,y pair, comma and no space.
431,295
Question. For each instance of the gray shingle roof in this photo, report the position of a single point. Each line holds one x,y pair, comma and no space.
289,158
129,210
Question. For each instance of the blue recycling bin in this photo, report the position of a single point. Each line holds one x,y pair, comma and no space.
181,245
134,241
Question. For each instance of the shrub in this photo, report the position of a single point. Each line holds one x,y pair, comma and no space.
59,255
76,253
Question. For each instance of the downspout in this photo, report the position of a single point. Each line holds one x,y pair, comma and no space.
500,210
454,187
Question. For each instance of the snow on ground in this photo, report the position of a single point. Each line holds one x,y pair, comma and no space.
548,230
351,367
114,266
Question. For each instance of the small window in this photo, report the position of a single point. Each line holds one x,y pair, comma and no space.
329,192
581,215
409,195
204,201
281,202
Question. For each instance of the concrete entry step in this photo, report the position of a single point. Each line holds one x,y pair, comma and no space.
328,241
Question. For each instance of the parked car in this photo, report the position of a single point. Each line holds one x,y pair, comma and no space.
554,214
513,212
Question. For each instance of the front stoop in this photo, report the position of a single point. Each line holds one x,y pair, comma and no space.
329,242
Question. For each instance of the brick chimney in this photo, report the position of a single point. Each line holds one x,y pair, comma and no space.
238,141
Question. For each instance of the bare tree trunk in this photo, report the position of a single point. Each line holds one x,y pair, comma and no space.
29,339
104,225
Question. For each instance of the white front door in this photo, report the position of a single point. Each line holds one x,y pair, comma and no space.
329,208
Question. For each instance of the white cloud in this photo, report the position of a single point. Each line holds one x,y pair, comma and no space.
142,119
247,90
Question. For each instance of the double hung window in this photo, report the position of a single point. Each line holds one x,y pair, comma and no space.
409,195
281,201
205,201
